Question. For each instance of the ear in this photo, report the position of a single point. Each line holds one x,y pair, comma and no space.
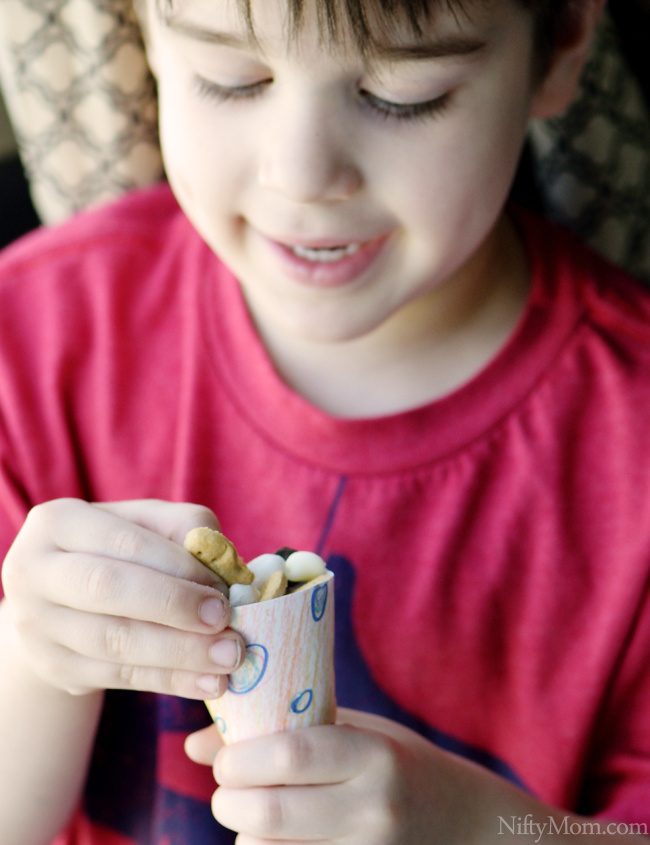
559,86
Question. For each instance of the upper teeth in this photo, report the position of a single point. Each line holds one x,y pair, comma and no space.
327,254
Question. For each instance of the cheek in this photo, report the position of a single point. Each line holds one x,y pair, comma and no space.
205,165
200,146
463,178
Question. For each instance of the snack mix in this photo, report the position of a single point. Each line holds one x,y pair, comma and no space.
266,577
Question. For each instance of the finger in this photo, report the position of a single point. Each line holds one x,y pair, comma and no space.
172,520
303,813
318,755
202,746
79,675
76,526
114,588
123,640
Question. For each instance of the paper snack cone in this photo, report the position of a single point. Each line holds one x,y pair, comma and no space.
287,679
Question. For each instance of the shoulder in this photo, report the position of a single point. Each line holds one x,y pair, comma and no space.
125,257
139,224
115,281
608,301
593,391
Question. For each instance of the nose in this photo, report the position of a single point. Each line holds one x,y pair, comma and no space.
305,159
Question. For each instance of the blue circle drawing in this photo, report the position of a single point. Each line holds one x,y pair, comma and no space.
302,701
318,602
252,670
221,724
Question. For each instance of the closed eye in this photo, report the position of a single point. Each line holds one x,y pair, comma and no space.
407,111
223,93
383,108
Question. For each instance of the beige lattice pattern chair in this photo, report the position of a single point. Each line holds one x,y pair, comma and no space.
593,162
81,99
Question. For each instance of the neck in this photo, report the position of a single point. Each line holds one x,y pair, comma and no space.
428,349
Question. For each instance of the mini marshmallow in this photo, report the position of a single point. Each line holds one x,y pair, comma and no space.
241,594
263,567
303,566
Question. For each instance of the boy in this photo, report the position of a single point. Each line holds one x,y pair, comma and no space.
446,400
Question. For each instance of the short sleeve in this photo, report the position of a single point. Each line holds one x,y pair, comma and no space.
617,785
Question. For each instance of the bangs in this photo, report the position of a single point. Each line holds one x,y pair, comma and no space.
368,21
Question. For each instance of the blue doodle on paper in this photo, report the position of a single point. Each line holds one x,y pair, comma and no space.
302,701
318,602
221,724
252,670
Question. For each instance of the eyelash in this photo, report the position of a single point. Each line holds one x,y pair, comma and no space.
382,108
407,111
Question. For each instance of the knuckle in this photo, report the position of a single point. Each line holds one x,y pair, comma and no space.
201,516
192,516
26,621
118,640
102,582
269,813
12,575
47,515
293,754
38,516
177,681
128,676
181,650
127,545
168,602
390,793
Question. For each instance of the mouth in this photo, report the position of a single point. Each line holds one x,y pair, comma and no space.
324,262
324,255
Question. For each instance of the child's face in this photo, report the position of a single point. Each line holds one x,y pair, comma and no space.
405,163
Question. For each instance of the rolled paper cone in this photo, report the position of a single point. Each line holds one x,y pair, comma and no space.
287,679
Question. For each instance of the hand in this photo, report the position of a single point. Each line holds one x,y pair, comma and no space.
104,596
366,780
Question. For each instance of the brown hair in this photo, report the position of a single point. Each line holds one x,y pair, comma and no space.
552,17
553,20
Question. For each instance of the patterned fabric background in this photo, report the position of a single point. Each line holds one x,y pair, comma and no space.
81,99
593,163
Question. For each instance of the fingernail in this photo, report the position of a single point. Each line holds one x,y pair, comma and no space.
211,611
208,683
225,653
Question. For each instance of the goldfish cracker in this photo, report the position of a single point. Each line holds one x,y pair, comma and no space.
218,554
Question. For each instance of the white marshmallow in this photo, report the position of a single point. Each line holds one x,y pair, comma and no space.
303,566
263,567
241,594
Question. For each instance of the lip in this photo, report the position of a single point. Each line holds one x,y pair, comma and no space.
324,275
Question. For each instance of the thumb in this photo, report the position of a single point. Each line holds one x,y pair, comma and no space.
204,745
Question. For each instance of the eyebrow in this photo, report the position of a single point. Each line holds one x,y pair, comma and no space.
209,36
439,49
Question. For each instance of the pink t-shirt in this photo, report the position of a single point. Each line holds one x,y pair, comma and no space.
492,549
